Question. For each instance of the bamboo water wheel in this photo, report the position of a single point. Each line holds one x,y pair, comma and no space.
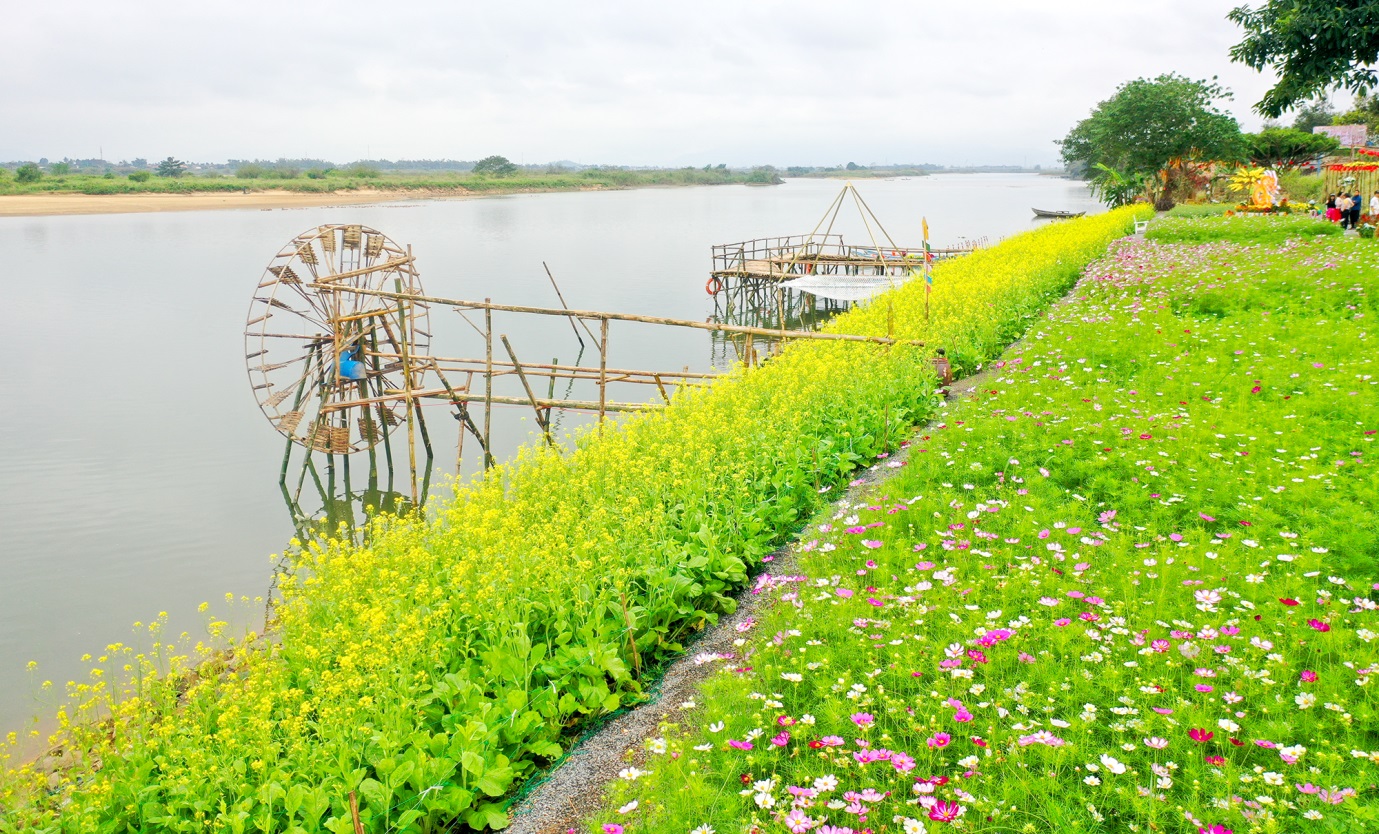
314,353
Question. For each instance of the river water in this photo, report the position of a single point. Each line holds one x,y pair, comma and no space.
137,475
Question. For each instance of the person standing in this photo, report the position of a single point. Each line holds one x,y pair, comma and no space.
1343,209
1357,207
1331,213
1374,208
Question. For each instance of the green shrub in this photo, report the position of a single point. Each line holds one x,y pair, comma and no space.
140,176
28,172
1302,188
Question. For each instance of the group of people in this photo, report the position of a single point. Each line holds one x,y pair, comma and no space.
1347,208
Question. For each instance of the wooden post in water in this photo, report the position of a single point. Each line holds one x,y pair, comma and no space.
603,369
405,349
488,382
526,386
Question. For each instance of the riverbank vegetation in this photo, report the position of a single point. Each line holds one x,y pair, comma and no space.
1127,586
259,176
425,675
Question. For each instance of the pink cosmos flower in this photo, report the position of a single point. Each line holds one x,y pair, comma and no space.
740,745
1200,734
863,719
938,741
945,811
612,828
1214,829
843,592
1319,625
1156,742
1308,675
781,739
871,544
832,741
902,762
798,821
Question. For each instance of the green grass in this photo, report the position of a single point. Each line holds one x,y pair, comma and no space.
1244,229
1200,209
1127,586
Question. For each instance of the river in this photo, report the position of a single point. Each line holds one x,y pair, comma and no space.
137,475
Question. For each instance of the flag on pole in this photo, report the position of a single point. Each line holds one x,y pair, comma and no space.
928,257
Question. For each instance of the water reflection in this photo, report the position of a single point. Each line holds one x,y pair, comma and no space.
330,497
761,304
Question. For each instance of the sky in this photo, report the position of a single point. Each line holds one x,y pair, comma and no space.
596,82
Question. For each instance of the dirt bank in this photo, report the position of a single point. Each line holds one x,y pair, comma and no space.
39,205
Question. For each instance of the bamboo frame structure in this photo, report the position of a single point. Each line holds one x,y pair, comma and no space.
360,356
821,252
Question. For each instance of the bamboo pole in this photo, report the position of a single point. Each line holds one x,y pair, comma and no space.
407,385
487,305
561,296
488,379
498,399
603,369
532,367
540,421
365,270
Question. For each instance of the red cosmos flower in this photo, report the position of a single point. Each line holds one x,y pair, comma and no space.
815,744
746,778
1237,742
1200,734
1216,760
979,741
1289,601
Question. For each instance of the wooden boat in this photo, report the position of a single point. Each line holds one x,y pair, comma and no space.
1047,213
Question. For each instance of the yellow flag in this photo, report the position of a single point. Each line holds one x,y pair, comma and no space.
925,221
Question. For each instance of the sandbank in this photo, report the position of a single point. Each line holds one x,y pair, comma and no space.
39,205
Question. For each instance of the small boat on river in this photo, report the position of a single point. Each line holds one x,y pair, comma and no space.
1065,214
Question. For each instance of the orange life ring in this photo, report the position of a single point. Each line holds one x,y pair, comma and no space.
714,286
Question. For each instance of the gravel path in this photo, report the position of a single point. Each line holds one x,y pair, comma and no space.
575,790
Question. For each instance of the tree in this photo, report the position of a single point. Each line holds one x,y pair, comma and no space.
172,168
28,172
1152,130
1313,114
1285,149
60,169
497,166
1313,45
1365,112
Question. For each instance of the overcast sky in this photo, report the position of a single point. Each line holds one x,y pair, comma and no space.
644,83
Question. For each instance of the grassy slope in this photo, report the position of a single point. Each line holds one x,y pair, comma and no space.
1129,589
